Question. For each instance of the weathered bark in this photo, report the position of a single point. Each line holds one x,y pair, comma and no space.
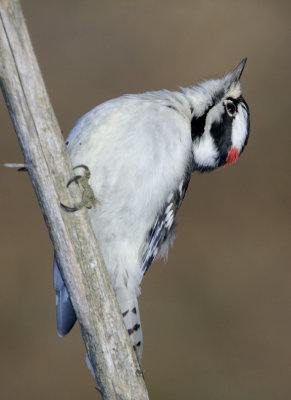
49,167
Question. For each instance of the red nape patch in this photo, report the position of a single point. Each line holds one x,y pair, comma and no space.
232,155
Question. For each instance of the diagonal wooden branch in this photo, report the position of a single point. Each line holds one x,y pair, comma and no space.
49,167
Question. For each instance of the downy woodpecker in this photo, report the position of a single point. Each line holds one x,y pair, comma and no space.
141,150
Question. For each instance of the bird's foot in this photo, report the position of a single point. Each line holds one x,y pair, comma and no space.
88,199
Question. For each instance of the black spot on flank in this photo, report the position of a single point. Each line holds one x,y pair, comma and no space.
138,344
67,142
135,328
80,144
134,310
124,313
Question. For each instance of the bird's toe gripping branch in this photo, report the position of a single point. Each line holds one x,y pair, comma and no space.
88,199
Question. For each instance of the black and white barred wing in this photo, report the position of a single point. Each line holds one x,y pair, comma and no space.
162,233
161,230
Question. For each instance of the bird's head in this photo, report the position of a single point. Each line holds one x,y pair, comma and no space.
219,120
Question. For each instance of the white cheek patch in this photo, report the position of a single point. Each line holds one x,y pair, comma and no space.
204,150
239,128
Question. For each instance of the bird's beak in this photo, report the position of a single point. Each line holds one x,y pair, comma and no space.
235,75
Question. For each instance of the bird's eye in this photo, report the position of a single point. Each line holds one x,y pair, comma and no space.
230,108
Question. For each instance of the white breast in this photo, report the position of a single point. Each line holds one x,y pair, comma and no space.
137,151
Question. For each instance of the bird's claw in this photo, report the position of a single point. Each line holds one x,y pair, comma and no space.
88,198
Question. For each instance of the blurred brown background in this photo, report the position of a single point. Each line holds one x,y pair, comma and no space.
217,317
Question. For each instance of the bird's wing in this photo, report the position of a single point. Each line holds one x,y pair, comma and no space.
163,227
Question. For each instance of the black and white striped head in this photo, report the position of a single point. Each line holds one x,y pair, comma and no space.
219,120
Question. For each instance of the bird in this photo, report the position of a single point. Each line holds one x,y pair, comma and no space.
140,151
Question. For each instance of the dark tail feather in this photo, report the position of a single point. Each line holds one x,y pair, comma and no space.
130,311
66,316
129,308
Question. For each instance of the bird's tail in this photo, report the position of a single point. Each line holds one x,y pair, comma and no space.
130,311
129,308
66,316
128,304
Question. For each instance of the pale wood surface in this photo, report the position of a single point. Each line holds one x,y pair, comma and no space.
50,168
